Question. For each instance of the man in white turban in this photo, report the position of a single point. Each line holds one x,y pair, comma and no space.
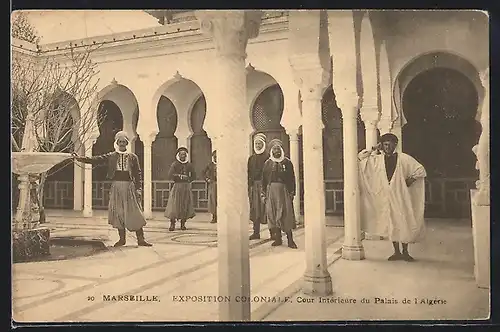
180,200
124,170
278,190
254,169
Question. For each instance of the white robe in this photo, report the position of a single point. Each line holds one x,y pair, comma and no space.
393,209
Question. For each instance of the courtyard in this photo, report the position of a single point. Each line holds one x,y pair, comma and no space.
176,279
302,88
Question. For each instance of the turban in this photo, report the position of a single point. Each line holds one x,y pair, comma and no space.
389,138
121,134
260,137
275,142
182,149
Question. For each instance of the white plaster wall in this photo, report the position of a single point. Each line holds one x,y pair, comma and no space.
62,25
150,77
461,33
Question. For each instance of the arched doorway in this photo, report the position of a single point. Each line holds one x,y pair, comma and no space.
110,121
163,151
201,145
440,106
267,111
58,190
60,125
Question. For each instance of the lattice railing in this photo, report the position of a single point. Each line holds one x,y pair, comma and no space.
445,198
161,192
58,195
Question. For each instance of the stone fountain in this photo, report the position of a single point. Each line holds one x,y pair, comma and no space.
29,239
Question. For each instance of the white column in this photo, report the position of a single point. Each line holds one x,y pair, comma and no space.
370,116
133,139
480,198
352,248
78,179
317,279
294,157
310,63
370,133
183,140
182,132
78,186
87,186
483,146
147,175
230,30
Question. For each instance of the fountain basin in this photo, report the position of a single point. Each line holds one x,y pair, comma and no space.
27,242
24,163
30,243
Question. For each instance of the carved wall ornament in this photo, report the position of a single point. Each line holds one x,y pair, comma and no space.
250,68
178,76
230,29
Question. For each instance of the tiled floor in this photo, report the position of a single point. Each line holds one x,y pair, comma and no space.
76,289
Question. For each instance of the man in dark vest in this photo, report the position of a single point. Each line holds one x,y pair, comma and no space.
255,165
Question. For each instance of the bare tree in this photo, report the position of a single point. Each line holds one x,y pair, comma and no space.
22,28
58,90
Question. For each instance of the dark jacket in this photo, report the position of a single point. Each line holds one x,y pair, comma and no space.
282,172
111,159
255,166
177,168
210,173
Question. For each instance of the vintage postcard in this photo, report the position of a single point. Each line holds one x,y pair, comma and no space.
250,165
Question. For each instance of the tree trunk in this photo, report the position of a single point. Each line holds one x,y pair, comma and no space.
41,189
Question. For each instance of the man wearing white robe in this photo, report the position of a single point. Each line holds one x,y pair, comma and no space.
392,192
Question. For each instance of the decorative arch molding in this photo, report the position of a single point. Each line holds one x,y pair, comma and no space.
64,171
268,116
200,144
165,144
74,111
123,97
257,82
428,61
192,107
266,112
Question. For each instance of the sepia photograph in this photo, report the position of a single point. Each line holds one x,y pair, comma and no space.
250,165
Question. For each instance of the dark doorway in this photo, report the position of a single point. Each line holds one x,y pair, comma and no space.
110,121
440,106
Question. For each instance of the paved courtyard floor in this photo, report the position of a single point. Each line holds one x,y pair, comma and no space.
184,263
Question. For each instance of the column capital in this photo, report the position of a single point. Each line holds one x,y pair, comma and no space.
370,114
230,29
348,102
148,138
293,132
309,75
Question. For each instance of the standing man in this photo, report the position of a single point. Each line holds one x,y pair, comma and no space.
254,168
392,191
210,174
124,211
180,200
278,190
